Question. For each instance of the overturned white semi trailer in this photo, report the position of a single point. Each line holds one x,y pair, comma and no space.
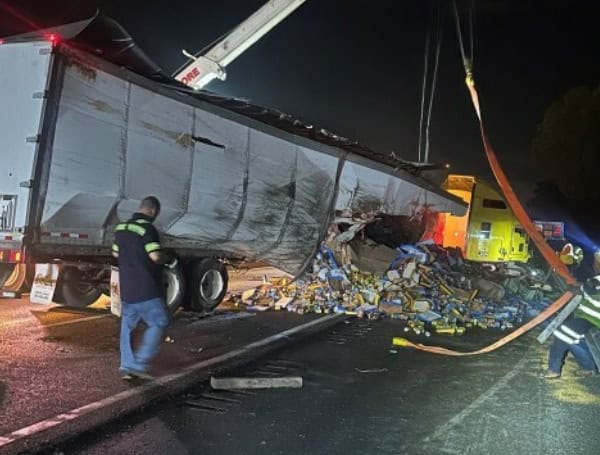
83,140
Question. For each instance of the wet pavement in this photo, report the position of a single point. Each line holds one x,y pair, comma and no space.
361,395
54,359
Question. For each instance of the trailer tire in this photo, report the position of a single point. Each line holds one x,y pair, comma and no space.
74,291
208,284
174,282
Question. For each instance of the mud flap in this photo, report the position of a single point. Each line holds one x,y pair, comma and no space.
6,270
44,283
592,338
115,296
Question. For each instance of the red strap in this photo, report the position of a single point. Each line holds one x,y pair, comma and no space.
540,242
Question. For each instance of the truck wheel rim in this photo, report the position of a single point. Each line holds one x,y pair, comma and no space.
85,288
172,288
211,285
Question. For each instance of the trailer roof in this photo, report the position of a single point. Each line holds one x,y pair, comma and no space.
103,36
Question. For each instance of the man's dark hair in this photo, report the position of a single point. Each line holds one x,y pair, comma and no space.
150,203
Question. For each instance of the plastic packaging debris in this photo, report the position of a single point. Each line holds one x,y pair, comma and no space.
427,288
372,370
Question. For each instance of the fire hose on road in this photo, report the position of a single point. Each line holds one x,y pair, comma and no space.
519,211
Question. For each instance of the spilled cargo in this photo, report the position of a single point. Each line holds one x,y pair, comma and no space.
428,288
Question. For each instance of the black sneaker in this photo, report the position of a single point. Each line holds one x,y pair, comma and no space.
141,374
127,375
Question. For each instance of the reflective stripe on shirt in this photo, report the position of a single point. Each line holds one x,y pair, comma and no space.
152,246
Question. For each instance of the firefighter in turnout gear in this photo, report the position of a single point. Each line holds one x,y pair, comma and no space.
571,256
570,335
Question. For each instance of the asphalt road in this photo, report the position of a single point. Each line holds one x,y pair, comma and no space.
361,396
54,359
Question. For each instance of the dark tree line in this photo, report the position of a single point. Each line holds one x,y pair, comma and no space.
567,144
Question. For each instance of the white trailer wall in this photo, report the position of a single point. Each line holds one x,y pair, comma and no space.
227,183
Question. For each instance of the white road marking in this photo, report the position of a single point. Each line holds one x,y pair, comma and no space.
14,322
489,393
217,318
24,321
75,321
159,383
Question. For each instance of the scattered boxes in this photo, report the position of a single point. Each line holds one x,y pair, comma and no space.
428,287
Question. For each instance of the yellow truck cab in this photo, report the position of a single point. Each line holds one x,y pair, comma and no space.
489,232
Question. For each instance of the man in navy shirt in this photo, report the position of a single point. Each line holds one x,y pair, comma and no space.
137,247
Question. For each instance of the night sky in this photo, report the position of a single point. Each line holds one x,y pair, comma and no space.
355,66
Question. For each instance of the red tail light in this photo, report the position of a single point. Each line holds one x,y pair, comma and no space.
52,37
12,256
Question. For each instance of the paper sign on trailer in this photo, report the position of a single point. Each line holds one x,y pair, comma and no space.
44,283
115,295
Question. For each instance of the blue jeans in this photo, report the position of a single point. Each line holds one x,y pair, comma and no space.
155,316
581,351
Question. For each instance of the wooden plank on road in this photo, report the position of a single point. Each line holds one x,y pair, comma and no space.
255,383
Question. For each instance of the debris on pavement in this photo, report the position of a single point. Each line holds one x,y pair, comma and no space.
255,383
372,370
430,289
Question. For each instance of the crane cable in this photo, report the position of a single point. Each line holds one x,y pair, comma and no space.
520,213
500,175
433,83
428,92
423,92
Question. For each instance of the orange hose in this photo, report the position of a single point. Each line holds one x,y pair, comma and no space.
519,211
540,242
556,305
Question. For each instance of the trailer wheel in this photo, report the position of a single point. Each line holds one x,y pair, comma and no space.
174,283
208,284
75,291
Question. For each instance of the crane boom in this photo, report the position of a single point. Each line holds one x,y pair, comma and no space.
205,68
